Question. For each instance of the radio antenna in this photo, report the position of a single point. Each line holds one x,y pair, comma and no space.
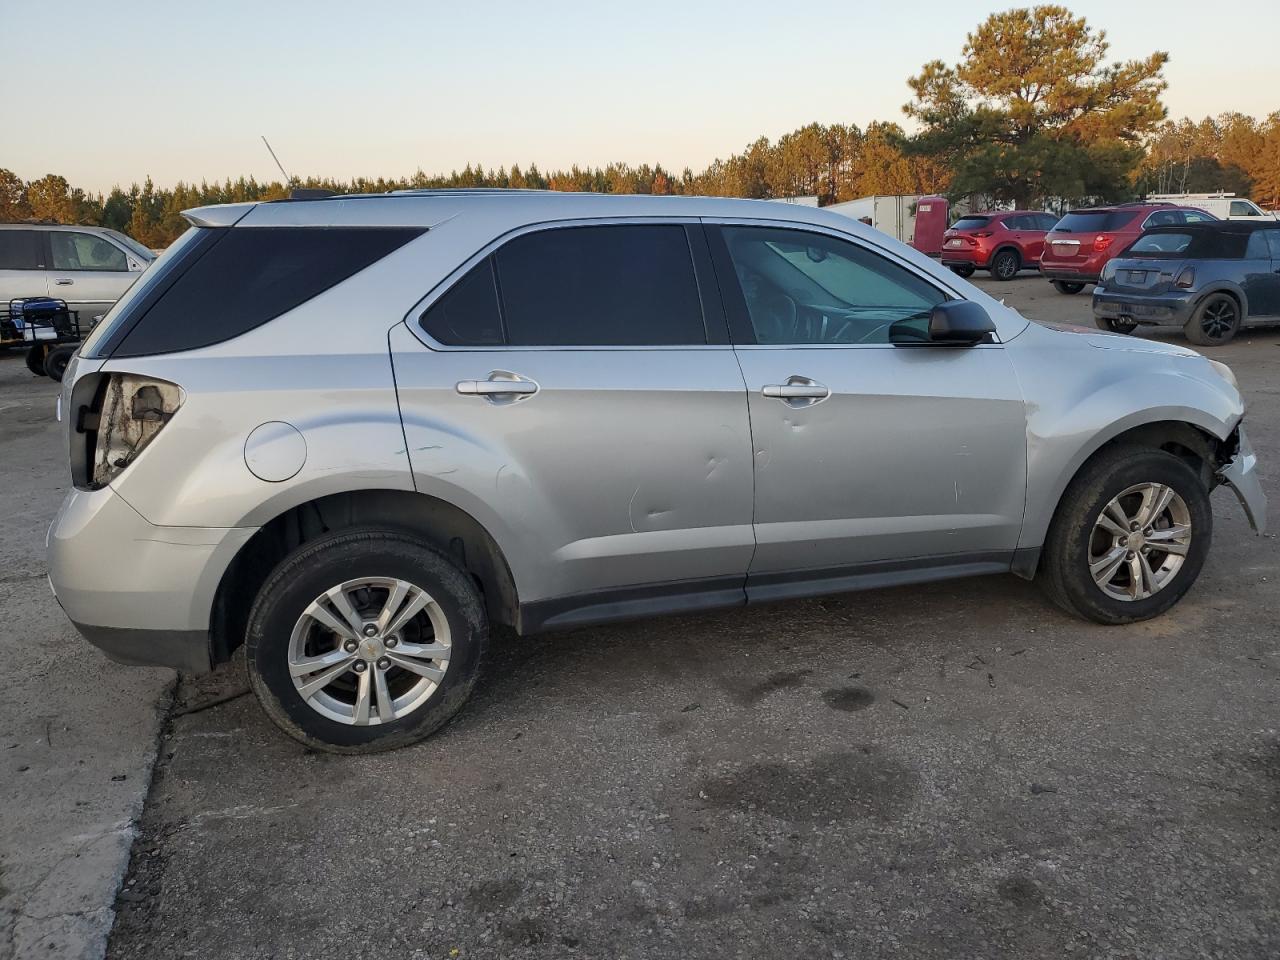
287,179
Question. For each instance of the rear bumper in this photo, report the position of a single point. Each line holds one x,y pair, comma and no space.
1074,274
964,258
1174,308
141,593
1241,475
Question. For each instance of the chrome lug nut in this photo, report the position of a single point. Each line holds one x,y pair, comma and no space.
1148,532
1135,525
384,663
1130,555
1124,541
360,666
391,642
351,646
370,630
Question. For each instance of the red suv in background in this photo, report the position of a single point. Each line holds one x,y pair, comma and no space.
1002,241
1079,246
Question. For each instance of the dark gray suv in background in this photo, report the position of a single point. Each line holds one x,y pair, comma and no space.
1208,278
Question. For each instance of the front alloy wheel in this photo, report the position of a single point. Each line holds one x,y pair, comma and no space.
1139,541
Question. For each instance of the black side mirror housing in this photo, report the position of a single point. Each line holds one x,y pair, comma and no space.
960,323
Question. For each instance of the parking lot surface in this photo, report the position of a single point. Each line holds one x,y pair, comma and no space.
947,771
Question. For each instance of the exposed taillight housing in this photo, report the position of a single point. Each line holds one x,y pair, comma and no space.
1102,241
127,413
1186,278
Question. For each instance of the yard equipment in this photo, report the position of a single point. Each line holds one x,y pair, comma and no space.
51,331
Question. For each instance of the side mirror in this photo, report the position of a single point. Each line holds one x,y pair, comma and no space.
959,323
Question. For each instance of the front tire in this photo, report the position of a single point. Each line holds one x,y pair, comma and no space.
1068,287
365,640
1097,565
1215,322
1005,265
55,364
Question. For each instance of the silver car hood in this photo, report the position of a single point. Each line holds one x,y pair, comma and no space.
1111,341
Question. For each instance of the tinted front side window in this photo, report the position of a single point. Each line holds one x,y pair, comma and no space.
1257,248
250,275
467,316
626,285
1242,208
1273,240
84,251
804,287
20,250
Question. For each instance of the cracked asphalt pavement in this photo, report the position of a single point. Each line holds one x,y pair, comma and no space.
948,771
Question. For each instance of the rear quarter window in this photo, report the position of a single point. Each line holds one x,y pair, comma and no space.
246,277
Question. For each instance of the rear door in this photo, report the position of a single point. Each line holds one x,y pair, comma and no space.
865,453
574,389
22,266
89,272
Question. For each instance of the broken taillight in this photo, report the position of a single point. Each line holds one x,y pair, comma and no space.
127,414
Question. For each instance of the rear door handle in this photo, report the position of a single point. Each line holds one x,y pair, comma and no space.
500,387
797,391
64,281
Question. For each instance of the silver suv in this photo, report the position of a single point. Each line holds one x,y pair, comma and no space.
88,267
355,433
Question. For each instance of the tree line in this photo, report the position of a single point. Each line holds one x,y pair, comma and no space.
1033,113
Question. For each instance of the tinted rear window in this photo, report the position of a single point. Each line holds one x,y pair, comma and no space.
1094,221
248,276
970,223
1158,245
468,315
20,250
627,285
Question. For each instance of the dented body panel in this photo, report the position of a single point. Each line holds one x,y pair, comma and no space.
666,472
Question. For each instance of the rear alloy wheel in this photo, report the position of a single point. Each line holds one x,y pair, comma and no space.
1068,286
364,640
962,270
1129,537
1215,321
1005,265
1116,324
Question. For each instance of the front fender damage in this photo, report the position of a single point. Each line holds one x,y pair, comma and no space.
1240,473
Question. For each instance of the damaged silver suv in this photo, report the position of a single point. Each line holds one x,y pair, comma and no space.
353,434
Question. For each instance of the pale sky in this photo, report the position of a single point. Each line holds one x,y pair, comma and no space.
107,93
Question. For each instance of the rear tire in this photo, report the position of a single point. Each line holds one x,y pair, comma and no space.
35,359
1115,325
298,619
1005,265
1078,542
960,270
55,364
1068,287
1216,321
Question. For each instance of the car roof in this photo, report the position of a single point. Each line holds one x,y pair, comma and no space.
1217,226
34,225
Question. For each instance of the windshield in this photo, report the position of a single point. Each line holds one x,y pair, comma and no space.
970,223
133,245
1092,221
155,274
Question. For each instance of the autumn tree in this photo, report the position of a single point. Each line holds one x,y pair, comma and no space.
1034,109
13,197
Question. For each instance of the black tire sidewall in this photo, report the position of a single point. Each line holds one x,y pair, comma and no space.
1195,331
1068,287
55,364
963,272
320,565
1073,527
1004,256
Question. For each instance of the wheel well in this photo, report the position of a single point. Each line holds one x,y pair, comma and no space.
1201,451
1227,292
441,524
1010,248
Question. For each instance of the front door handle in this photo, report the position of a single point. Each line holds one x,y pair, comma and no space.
500,387
797,391
64,281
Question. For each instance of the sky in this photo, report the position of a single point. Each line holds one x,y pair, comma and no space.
183,90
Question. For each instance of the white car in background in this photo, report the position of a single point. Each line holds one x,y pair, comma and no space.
1224,206
88,267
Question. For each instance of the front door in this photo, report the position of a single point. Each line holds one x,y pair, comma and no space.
568,392
865,453
87,271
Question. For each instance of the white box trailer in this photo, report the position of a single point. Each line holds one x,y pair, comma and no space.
894,215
